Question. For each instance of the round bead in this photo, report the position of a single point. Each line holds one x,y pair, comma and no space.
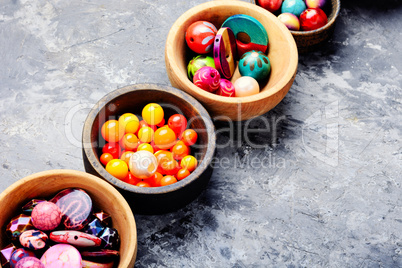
19,254
312,19
62,256
143,164
30,262
152,114
270,5
255,64
207,78
46,216
197,63
226,88
200,37
296,7
290,21
316,3
246,86
165,138
117,168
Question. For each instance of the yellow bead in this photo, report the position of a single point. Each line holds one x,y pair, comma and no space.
146,134
117,168
153,114
189,162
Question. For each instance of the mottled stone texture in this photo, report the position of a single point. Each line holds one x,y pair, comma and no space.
316,182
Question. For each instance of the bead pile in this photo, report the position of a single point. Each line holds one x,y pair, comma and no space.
299,15
151,152
61,232
218,51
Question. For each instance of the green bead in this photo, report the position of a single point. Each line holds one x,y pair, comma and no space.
197,63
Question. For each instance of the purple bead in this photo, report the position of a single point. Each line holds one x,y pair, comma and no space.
316,3
104,218
19,254
17,225
27,208
110,238
95,227
5,255
30,262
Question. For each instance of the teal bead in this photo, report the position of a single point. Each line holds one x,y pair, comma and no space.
296,7
255,64
197,63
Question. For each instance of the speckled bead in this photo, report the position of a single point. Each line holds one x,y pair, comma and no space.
19,254
30,262
46,216
62,256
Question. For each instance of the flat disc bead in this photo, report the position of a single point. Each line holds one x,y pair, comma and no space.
246,86
46,216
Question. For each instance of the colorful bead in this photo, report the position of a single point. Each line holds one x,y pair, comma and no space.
316,3
95,227
312,19
257,36
207,78
46,216
246,86
200,37
103,217
143,164
75,206
19,254
62,256
225,52
17,225
290,20
101,253
30,262
75,238
110,238
255,64
270,5
296,7
197,63
5,255
226,88
27,208
33,239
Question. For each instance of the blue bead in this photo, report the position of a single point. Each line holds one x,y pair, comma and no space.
95,227
296,7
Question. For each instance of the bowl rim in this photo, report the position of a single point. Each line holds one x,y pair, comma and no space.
99,168
171,60
74,174
329,24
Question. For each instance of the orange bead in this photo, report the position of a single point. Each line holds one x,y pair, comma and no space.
125,156
117,168
165,138
129,142
167,180
111,131
180,150
189,162
189,137
182,173
143,184
169,167
105,158
155,179
131,179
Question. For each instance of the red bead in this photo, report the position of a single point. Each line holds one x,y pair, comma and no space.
312,19
200,37
178,123
18,225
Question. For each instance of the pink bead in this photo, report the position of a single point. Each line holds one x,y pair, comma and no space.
226,88
291,21
207,78
29,262
62,256
46,216
200,36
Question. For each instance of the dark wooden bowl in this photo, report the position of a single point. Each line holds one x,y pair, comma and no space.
152,200
308,41
104,196
282,54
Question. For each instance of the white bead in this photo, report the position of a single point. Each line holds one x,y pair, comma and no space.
246,86
143,164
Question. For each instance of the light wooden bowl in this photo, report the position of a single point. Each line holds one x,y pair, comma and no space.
152,200
308,41
282,54
48,183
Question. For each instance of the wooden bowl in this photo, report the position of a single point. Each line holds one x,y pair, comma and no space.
48,183
308,41
282,54
152,200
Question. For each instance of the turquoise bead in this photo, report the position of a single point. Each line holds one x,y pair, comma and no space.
255,64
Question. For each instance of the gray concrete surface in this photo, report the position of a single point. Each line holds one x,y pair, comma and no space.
323,189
